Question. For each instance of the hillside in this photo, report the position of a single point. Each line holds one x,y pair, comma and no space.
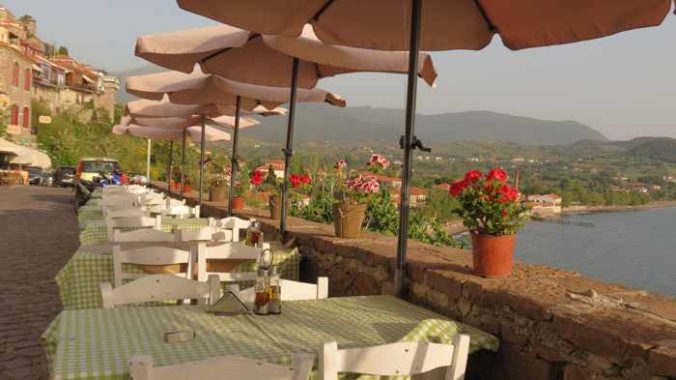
122,95
365,124
659,148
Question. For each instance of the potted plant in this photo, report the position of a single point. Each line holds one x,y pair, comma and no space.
187,185
492,211
299,182
352,200
217,186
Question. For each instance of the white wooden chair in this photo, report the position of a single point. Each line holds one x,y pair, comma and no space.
124,213
181,212
151,255
134,222
226,251
222,368
291,290
232,223
396,359
160,287
150,235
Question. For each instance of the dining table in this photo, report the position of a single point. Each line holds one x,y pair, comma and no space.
78,281
98,343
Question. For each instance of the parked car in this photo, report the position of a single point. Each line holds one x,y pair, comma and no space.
35,176
47,178
89,168
64,176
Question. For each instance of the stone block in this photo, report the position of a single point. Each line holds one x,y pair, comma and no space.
364,285
438,298
515,364
662,361
575,372
447,284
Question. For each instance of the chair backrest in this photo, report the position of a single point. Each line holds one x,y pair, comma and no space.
396,359
132,222
151,255
232,223
143,235
225,251
222,368
160,287
181,211
205,234
293,290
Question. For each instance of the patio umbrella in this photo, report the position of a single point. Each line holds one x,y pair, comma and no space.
154,109
448,25
244,56
198,87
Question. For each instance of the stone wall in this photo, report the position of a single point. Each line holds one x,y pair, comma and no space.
553,324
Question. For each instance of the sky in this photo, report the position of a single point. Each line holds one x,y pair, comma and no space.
623,85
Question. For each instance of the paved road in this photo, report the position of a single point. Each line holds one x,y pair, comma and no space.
38,233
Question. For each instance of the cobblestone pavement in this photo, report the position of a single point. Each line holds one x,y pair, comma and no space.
38,233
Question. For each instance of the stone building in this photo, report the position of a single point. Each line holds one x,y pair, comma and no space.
16,80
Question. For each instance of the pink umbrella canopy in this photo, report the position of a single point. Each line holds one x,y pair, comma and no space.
248,57
172,134
199,88
447,25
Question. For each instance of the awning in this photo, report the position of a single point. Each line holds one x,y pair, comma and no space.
25,156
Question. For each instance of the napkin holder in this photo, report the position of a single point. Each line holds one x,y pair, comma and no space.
177,334
229,304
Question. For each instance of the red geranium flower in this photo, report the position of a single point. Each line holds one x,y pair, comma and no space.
458,187
295,180
497,174
507,194
256,178
473,175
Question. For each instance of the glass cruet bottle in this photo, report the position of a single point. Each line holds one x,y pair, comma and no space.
275,292
262,290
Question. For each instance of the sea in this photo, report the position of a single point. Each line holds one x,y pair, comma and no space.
634,248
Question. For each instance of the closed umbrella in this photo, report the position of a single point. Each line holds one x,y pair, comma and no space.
440,25
244,56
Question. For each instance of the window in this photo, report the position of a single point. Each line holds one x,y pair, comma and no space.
15,74
26,117
27,79
15,115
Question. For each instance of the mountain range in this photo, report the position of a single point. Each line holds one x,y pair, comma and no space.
321,123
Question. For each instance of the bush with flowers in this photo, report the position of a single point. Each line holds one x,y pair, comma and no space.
489,205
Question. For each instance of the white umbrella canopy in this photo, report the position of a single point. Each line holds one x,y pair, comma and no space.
200,88
212,134
164,108
179,123
248,57
447,25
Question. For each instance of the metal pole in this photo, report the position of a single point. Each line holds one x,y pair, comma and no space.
183,161
402,238
233,161
148,151
288,151
202,161
171,166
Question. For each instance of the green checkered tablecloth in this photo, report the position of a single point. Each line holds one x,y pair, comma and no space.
78,281
87,213
95,231
98,343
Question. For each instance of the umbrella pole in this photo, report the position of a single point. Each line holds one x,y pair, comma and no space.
233,161
408,140
148,153
288,151
183,162
171,166
202,162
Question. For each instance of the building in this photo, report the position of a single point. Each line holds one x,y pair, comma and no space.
61,83
277,167
543,204
16,80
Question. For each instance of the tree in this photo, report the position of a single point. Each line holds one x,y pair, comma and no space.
62,51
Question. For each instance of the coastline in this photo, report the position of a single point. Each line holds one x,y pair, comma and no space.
588,209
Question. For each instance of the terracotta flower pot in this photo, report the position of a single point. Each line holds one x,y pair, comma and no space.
187,188
348,218
217,193
237,203
493,255
275,207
